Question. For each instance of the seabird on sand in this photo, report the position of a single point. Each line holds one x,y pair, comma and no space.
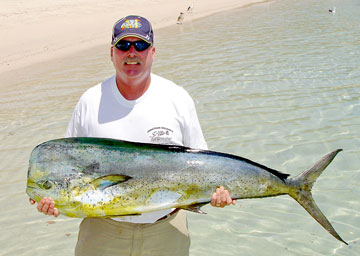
332,10
190,8
180,18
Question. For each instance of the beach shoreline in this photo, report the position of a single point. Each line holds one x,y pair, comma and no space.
42,31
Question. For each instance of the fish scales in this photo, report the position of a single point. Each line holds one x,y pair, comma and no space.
95,177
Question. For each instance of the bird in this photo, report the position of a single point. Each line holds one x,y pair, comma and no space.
332,10
190,8
180,18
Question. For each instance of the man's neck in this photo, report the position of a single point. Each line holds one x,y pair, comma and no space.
132,89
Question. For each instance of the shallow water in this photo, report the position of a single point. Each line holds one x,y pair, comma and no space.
278,83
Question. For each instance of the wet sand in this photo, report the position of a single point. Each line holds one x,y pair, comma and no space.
40,31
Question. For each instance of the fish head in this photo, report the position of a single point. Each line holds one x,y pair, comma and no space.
39,189
42,184
42,180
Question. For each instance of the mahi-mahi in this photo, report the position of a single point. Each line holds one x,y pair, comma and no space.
96,177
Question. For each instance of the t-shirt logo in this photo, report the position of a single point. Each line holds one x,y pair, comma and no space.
160,135
131,24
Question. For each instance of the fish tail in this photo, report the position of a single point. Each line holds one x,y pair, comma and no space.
301,191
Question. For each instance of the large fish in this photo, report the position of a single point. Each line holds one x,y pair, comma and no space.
94,177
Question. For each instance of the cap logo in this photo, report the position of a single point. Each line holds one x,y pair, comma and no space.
131,24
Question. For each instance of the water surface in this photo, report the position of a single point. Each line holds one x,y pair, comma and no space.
278,83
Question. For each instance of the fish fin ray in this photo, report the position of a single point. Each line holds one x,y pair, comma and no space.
125,215
309,176
301,192
195,208
104,182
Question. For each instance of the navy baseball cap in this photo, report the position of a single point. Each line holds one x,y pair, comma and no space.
132,25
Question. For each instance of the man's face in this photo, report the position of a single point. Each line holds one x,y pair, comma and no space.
132,64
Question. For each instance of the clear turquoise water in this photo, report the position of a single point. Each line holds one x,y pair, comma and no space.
278,83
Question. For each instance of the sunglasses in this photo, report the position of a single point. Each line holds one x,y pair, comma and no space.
140,46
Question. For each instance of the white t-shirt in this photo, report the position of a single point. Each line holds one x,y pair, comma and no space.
164,114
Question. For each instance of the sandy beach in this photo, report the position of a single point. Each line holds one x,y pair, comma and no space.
40,30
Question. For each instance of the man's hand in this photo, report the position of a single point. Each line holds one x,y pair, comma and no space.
46,206
221,198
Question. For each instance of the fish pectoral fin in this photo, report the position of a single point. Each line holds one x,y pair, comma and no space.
195,208
108,181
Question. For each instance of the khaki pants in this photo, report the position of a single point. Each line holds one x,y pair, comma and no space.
107,237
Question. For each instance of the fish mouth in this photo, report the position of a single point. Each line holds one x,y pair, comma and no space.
31,184
33,194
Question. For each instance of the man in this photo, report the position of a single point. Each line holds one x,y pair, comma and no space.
136,105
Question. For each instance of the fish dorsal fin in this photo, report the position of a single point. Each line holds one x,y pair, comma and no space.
109,180
195,208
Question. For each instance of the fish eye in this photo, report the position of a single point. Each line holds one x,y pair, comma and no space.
47,185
